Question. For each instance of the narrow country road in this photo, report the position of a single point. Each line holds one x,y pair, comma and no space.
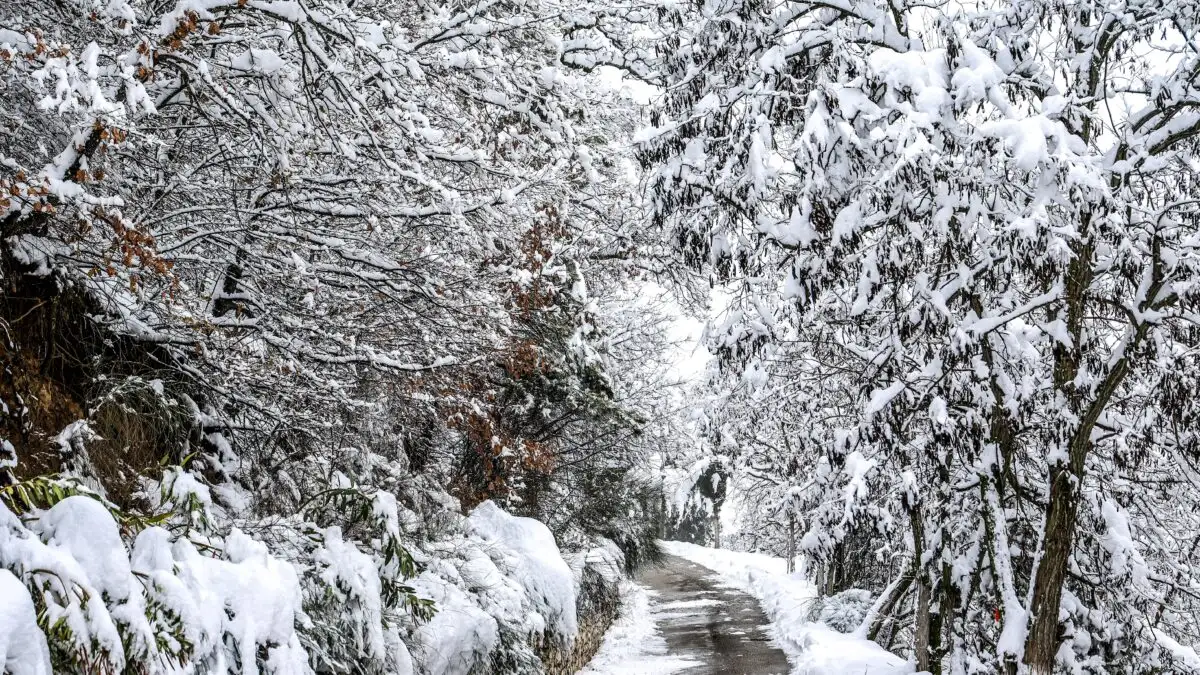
721,631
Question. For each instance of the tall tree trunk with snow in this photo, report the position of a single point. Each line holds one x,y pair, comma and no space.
791,541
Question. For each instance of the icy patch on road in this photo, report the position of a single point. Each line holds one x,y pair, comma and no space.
690,604
813,648
634,645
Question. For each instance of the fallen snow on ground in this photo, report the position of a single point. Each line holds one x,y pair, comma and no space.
813,648
634,646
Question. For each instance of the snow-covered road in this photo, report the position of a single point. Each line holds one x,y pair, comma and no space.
717,612
680,618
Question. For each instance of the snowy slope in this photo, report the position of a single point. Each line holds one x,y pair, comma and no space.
813,648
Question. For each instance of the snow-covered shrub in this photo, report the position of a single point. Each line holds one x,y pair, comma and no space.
502,588
843,611
359,607
532,558
156,607
136,425
22,645
115,590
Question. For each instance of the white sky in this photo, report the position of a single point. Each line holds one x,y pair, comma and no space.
693,358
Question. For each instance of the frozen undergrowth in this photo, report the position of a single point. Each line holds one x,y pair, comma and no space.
183,601
22,645
813,648
162,600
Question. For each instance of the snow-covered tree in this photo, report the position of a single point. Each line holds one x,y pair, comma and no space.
963,239
300,248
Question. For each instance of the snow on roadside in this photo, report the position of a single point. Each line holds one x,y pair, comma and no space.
535,563
503,573
813,648
634,645
23,648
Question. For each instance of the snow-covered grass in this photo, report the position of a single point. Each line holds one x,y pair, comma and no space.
634,646
813,648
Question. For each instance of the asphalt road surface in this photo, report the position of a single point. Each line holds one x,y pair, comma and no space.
721,629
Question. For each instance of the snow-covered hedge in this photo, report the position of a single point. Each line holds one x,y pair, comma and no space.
82,588
507,597
160,606
502,587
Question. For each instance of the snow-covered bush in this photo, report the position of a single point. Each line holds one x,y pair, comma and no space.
23,648
488,593
842,611
533,559
160,605
501,588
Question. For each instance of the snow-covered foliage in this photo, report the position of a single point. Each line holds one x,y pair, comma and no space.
354,268
350,270
23,648
179,604
162,606
956,244
544,577
287,196
504,575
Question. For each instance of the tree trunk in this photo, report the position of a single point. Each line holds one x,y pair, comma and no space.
926,628
892,595
662,515
835,574
791,545
921,639
1043,641
1041,644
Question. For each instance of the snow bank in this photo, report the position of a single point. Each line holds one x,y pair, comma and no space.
22,646
535,563
813,648
634,646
